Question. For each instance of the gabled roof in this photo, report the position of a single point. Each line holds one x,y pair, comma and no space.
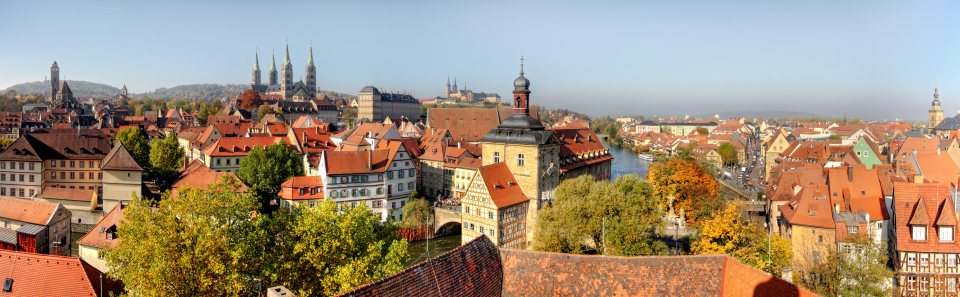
120,159
45,275
96,238
50,192
919,215
352,162
501,185
198,175
947,216
241,146
811,207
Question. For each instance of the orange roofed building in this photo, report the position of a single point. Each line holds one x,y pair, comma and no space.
808,221
495,206
301,190
225,154
926,245
382,179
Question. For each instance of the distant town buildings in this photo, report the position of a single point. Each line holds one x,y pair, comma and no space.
372,105
454,93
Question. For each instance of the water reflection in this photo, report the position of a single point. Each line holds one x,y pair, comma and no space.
437,246
625,162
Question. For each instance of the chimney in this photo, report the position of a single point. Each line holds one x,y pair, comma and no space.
458,144
370,159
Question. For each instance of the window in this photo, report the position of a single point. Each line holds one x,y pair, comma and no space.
73,164
816,256
82,165
31,166
410,185
400,187
353,193
952,260
32,192
21,192
481,229
490,215
911,283
400,174
380,191
53,175
946,233
924,260
911,260
951,285
820,238
32,178
81,173
924,283
218,162
73,175
413,172
389,174
520,160
333,194
466,209
496,157
919,232
228,162
852,229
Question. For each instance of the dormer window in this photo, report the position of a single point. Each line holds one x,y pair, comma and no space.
918,232
946,233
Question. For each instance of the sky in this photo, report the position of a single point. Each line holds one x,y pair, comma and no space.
874,59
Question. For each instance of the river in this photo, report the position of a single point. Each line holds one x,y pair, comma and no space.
624,161
419,249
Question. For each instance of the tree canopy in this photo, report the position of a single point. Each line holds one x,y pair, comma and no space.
135,141
684,185
265,169
729,232
166,158
728,153
860,270
213,242
417,211
587,216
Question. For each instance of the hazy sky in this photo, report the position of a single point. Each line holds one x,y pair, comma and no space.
876,59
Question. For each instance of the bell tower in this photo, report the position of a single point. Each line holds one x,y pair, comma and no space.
54,79
935,114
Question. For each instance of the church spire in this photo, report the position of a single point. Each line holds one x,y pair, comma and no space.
936,97
273,69
310,58
256,60
286,57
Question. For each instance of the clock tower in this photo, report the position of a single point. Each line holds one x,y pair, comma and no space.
531,152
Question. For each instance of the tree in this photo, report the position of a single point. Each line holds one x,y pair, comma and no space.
5,143
320,252
728,153
860,270
166,158
135,142
264,169
684,185
193,245
619,218
417,212
264,110
729,232
702,131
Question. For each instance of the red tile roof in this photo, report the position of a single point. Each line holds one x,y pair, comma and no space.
241,146
862,188
45,275
25,210
351,162
811,207
501,185
580,147
51,192
302,188
468,124
922,204
200,176
98,239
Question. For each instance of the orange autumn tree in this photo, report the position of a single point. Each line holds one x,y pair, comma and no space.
685,186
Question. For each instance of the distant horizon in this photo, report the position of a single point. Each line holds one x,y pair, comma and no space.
868,59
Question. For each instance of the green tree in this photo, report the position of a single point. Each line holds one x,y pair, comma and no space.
166,158
194,245
264,169
134,140
730,232
5,143
264,110
702,131
417,212
728,153
619,218
859,271
320,252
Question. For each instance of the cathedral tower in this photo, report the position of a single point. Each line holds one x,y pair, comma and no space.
935,114
273,70
54,79
521,93
256,69
311,75
287,72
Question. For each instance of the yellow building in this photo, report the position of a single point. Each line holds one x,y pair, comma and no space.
530,152
772,149
373,105
495,205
